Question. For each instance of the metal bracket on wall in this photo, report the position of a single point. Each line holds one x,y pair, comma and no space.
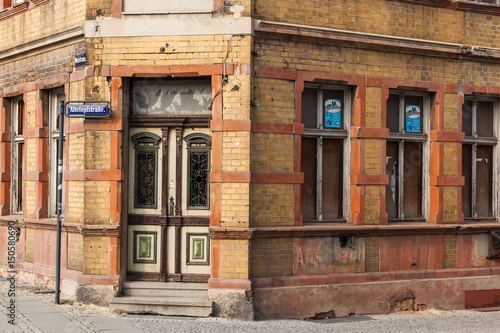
494,249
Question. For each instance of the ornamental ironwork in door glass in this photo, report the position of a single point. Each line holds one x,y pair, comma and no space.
146,179
146,169
198,179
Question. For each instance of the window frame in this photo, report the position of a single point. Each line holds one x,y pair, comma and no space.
191,139
474,141
18,148
54,99
320,133
401,137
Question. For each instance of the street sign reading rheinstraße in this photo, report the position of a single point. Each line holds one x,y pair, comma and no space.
88,109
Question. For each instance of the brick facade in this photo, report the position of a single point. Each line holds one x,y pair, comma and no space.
260,240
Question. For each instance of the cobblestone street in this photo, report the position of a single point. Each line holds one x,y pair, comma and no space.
37,312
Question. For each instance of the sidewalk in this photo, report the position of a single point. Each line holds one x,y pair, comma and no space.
36,311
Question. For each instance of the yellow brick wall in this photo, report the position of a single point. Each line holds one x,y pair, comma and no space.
451,158
372,254
373,111
47,64
237,266
93,6
96,202
97,148
95,255
30,245
272,152
271,205
271,257
450,195
179,50
273,100
75,203
30,109
450,251
450,113
30,199
345,60
386,18
373,153
76,151
54,17
75,251
31,154
236,151
372,204
235,198
237,102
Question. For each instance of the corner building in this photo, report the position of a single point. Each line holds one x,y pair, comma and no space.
275,159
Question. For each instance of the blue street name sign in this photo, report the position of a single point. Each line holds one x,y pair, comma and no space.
80,60
94,110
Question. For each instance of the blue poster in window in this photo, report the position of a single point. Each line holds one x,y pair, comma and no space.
333,113
413,119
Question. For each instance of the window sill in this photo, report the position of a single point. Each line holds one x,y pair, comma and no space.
480,220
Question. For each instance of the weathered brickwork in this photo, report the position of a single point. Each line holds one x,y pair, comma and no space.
173,51
271,205
451,158
450,113
235,198
236,150
30,245
95,255
373,152
40,66
346,60
450,251
238,266
272,152
237,98
30,199
273,100
98,9
30,109
372,248
97,151
271,257
372,204
75,251
96,199
75,204
450,195
387,18
373,117
31,154
53,17
76,151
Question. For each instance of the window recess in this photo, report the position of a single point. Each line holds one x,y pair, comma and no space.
325,153
479,154
406,155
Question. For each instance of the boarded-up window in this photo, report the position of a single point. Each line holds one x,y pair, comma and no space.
478,158
170,97
406,113
325,116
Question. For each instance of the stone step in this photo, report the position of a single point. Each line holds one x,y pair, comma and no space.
168,306
162,289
